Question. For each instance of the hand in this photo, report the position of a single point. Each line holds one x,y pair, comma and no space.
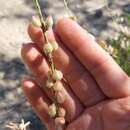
96,88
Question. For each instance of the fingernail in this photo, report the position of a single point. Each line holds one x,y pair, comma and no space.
92,36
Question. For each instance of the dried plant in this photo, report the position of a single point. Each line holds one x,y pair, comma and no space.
15,126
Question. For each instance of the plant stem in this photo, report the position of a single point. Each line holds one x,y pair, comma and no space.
38,8
50,55
39,12
66,6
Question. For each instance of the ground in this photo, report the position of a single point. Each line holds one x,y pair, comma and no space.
14,18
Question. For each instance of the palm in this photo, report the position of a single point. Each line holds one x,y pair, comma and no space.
96,89
108,115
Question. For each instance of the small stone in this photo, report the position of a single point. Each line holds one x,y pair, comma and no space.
52,110
49,84
36,22
57,75
60,98
48,48
59,121
61,112
49,22
58,86
54,45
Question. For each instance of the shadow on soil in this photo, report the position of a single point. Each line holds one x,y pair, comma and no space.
13,105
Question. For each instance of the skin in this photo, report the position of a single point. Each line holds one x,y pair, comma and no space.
97,90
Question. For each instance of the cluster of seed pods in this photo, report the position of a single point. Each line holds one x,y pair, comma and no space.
55,76
54,81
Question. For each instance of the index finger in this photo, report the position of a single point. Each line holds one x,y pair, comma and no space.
112,80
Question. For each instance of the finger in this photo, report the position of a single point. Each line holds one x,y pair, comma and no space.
39,101
38,65
81,82
110,77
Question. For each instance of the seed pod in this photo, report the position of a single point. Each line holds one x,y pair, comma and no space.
52,110
61,112
58,86
54,45
49,22
48,48
60,98
49,84
59,121
57,75
36,22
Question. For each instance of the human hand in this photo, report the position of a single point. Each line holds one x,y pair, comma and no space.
96,88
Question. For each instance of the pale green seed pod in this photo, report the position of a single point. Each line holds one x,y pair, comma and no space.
47,48
36,22
49,84
54,45
59,121
61,112
49,22
60,98
57,75
52,110
58,86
